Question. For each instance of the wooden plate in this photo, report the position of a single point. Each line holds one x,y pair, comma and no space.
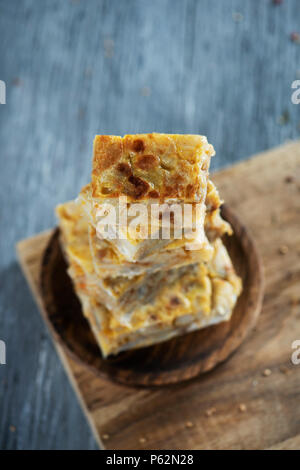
166,363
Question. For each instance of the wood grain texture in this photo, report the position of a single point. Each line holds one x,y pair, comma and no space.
171,362
77,68
252,400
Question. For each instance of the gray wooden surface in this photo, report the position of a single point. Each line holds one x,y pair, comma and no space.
76,68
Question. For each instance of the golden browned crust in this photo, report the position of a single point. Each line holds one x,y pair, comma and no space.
150,166
212,201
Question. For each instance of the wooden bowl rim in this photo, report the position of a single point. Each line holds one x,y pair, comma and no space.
256,305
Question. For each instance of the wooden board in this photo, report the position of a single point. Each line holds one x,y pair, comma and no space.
206,413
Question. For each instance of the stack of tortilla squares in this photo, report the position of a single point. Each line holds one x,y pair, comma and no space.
143,241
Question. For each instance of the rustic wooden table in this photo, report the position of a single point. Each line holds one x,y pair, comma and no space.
75,68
